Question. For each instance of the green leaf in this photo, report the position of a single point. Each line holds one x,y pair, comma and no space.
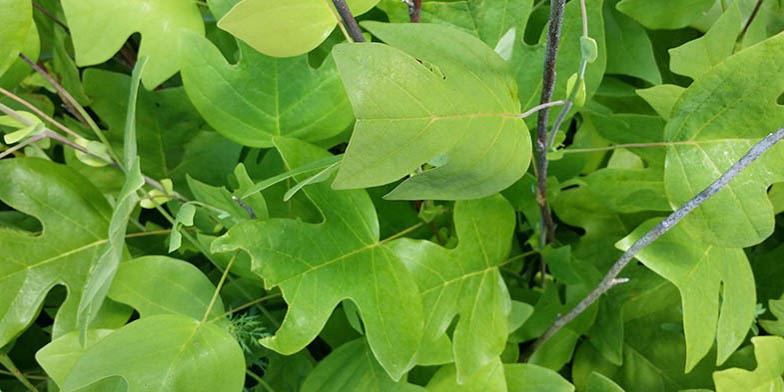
597,382
629,190
103,270
498,377
162,24
157,285
163,353
662,98
665,14
701,272
465,282
317,266
715,122
487,20
460,101
352,368
776,307
769,351
59,357
75,219
696,57
261,96
629,49
285,29
18,70
15,22
173,139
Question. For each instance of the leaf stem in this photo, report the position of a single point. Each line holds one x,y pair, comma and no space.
611,279
546,224
348,20
6,361
50,16
219,287
247,305
38,112
22,145
541,107
749,22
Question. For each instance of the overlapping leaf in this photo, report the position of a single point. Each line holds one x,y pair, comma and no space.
75,219
629,49
702,272
713,124
15,22
161,23
665,14
465,282
317,266
261,96
499,377
434,92
769,351
289,28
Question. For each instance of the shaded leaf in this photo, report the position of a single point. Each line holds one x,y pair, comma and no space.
629,50
665,14
769,351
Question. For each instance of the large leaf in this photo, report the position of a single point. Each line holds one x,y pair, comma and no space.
162,24
665,14
487,19
75,219
435,91
261,96
703,273
172,138
317,266
629,50
714,123
174,346
288,28
465,282
766,377
15,22
352,368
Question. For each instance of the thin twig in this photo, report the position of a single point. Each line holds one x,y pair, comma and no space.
751,19
415,11
6,361
542,106
38,112
547,226
50,16
22,145
611,278
218,288
348,20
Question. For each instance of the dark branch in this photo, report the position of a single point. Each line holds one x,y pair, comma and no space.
415,11
348,20
52,17
610,279
751,19
547,226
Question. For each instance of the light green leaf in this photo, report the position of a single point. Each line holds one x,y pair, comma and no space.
156,285
597,382
665,14
352,368
317,266
15,22
488,379
629,50
75,219
776,307
163,353
498,377
769,351
103,270
18,70
487,20
261,96
715,122
465,282
59,357
696,57
285,29
702,272
662,98
459,101
522,377
162,24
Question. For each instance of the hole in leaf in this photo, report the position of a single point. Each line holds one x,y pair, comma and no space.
19,221
780,99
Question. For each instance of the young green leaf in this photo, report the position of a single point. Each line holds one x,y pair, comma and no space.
162,24
261,96
459,100
285,29
317,266
701,271
15,22
75,217
716,121
769,351
465,282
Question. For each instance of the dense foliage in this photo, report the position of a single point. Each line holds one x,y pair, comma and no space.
227,195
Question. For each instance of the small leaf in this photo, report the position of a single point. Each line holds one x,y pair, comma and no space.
97,149
579,96
589,49
505,46
285,29
769,351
